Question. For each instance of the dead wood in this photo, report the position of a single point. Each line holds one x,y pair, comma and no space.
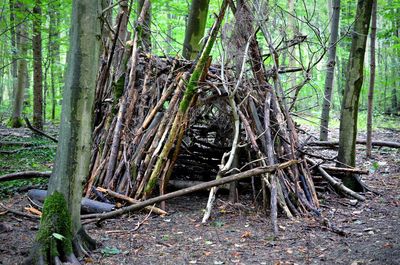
88,205
334,144
342,170
337,184
206,185
130,200
25,175
39,131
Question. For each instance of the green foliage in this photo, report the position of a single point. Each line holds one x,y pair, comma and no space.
110,251
37,157
55,232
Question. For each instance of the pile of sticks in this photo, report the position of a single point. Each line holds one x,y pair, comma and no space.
161,117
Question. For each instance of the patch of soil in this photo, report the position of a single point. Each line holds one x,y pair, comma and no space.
241,233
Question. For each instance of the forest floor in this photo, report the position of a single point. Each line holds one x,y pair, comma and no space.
239,233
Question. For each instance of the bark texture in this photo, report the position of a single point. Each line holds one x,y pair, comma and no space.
371,80
195,28
330,71
37,67
349,110
73,152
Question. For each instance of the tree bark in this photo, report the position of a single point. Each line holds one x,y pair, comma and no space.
195,27
73,152
144,32
330,71
349,110
37,67
371,80
22,69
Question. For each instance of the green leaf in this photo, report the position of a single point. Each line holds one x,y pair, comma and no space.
109,251
58,236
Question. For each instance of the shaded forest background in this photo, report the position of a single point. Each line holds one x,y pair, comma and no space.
29,26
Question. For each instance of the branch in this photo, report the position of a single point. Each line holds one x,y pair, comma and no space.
374,143
338,185
39,131
25,175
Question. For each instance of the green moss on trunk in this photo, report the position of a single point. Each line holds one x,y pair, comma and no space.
55,233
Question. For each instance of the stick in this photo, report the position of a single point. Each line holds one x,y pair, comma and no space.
336,184
339,170
374,143
130,200
25,175
206,185
39,131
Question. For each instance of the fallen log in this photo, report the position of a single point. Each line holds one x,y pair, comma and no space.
338,185
88,205
205,185
342,170
334,144
25,175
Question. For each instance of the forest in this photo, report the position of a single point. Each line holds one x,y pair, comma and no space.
199,132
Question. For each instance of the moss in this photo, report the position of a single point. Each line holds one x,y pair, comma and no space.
55,220
15,122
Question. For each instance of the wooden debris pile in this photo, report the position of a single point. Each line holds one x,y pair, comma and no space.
158,118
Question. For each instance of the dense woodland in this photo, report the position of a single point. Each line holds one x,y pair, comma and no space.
196,95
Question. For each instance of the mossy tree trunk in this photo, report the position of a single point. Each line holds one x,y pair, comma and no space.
73,152
195,29
354,80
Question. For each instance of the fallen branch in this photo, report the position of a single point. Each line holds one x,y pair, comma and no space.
39,131
25,175
333,144
338,185
342,170
130,200
205,185
19,213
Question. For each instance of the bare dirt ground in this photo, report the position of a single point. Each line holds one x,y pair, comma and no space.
241,233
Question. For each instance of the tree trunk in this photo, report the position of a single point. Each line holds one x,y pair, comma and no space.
14,48
73,152
195,29
371,80
349,110
37,67
22,69
53,53
145,33
330,71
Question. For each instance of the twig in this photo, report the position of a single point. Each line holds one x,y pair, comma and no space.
19,213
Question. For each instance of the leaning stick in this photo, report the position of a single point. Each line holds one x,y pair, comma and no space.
130,200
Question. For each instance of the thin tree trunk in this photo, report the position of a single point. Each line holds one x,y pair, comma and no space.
371,80
349,110
14,47
330,71
195,28
22,69
144,32
37,67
